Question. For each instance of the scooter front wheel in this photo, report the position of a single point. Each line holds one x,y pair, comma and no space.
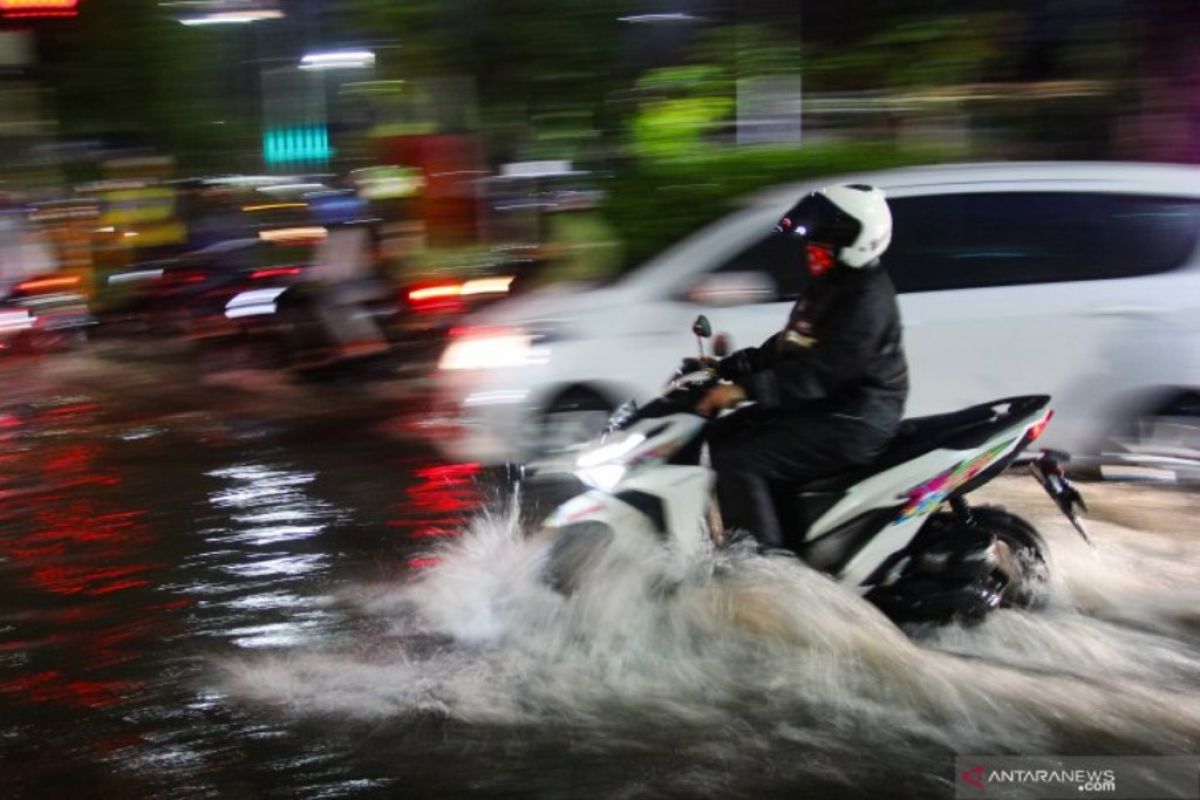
575,550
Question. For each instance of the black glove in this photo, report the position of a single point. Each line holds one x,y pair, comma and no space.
698,364
735,365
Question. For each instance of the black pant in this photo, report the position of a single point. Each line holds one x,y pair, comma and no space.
753,451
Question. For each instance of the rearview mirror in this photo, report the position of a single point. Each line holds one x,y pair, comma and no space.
701,327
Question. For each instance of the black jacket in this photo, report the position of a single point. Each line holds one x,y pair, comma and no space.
840,353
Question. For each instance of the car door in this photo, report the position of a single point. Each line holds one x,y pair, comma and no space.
748,295
736,273
1029,292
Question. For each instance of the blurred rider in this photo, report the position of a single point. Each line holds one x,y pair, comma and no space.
830,387
346,267
24,251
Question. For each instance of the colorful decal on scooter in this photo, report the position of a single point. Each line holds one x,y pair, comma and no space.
926,497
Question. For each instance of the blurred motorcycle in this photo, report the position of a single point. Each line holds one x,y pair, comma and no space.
44,314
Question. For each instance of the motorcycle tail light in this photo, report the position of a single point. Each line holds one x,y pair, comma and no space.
1038,427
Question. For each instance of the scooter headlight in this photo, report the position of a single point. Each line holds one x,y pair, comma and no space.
603,466
604,477
610,451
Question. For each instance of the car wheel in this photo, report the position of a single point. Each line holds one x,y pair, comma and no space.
1168,439
572,419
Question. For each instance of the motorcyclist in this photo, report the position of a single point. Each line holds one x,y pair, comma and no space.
346,268
830,387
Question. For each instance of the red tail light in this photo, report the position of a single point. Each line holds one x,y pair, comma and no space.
19,9
481,331
56,282
1038,427
273,272
439,297
436,292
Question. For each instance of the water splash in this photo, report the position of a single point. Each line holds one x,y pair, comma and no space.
753,651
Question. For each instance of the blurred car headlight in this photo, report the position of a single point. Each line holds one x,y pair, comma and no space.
492,348
15,320
254,302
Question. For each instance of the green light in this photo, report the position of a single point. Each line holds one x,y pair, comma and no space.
290,145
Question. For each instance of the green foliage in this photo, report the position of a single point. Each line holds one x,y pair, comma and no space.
748,51
654,204
125,66
681,105
928,51
684,104
549,55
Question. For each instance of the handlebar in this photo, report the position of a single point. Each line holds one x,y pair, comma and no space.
683,391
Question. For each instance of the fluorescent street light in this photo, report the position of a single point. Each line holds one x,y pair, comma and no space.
338,59
232,17
677,16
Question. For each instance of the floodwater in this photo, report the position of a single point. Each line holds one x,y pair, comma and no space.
206,603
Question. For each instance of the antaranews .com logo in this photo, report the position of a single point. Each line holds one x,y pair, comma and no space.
1113,777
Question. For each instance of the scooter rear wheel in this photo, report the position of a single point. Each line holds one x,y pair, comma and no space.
1022,554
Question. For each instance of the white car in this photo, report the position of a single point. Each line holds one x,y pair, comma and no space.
1077,280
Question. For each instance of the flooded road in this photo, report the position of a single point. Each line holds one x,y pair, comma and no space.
216,598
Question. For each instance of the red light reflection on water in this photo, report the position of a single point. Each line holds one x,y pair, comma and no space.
71,409
54,686
438,504
73,541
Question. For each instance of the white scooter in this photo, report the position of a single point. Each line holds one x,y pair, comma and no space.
898,531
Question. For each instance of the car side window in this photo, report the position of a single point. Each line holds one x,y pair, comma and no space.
1001,239
776,257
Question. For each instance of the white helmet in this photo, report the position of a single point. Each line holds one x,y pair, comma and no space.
853,220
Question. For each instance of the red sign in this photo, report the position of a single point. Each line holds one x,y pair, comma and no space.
14,9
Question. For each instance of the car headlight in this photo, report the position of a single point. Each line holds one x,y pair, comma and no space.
492,348
254,302
15,320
